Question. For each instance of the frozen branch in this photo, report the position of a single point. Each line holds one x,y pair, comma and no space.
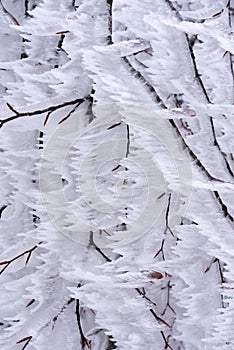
143,294
161,250
222,279
14,20
168,305
94,245
147,84
61,311
223,207
203,89
26,339
83,340
166,341
48,110
167,216
26,252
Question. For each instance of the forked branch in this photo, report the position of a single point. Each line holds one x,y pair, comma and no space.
26,252
48,110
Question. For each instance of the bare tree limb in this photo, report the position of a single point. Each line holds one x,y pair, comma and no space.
203,89
41,111
26,252
83,340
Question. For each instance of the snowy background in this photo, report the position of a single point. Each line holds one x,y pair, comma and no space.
117,175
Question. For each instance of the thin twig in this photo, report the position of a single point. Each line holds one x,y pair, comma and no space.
61,311
145,297
216,260
128,142
160,250
168,305
167,345
159,319
27,339
109,38
167,216
93,244
41,111
9,14
147,84
223,207
83,340
70,113
28,252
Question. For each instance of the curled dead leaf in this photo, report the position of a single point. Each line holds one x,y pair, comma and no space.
155,274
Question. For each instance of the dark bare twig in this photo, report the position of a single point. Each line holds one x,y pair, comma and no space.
199,79
93,244
143,294
47,117
41,111
152,90
55,318
27,339
26,8
28,252
83,340
168,305
12,108
70,113
128,142
210,265
203,89
166,341
197,75
40,140
109,38
61,311
30,302
222,279
221,271
2,209
60,42
161,250
147,84
159,319
167,216
113,126
223,207
193,155
9,14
